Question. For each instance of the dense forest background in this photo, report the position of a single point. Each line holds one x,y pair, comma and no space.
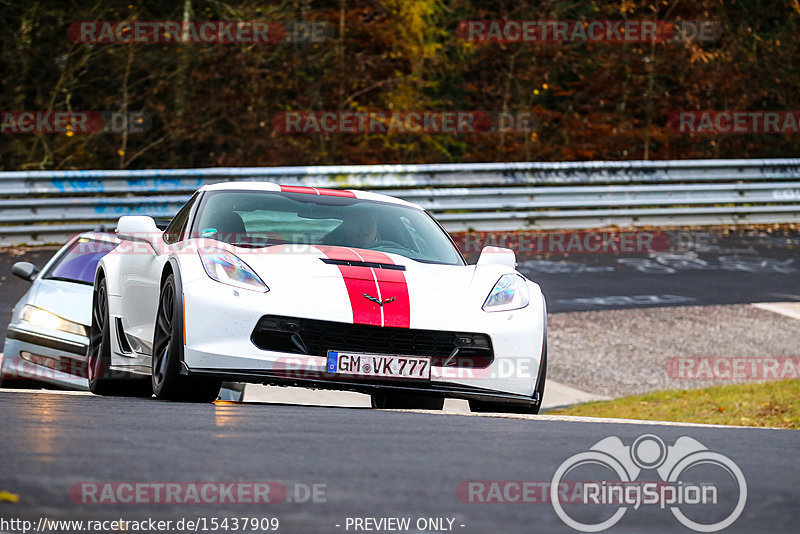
214,104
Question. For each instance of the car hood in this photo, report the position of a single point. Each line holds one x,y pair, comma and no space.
328,262
69,300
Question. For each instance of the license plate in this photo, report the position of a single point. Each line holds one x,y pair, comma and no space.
378,365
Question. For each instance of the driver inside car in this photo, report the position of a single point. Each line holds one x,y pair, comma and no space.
358,231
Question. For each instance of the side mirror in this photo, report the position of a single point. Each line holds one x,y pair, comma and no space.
498,256
138,228
25,270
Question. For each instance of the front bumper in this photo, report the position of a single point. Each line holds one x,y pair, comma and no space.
306,379
219,343
32,355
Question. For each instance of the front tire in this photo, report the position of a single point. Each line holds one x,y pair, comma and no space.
167,381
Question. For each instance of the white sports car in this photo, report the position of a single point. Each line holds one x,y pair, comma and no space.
320,288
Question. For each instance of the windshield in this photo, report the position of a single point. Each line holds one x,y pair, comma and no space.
263,218
79,263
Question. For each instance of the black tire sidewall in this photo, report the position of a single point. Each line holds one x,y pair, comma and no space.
98,383
170,386
175,385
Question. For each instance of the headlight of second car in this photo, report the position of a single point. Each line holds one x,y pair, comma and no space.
227,268
45,319
509,293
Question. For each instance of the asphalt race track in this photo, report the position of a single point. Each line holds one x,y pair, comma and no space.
699,268
363,463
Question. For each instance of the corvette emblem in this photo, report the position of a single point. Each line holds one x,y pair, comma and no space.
377,301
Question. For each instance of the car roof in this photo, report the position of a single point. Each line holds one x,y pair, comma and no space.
271,186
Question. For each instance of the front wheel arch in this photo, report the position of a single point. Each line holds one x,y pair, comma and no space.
541,377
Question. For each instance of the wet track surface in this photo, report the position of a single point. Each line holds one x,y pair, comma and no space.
368,463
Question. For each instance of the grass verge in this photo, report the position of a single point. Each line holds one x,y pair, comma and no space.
765,404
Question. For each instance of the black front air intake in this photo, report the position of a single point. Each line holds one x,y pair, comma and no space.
315,338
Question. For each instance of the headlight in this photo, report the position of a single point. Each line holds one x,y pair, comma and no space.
509,293
227,268
45,319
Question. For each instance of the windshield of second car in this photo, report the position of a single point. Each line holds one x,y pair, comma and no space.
79,263
272,218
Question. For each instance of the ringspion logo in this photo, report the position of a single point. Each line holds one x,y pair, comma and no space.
700,506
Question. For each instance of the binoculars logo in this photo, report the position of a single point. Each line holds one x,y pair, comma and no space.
647,452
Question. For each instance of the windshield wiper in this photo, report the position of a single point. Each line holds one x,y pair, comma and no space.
65,279
253,245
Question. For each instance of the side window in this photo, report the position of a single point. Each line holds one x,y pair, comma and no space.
177,227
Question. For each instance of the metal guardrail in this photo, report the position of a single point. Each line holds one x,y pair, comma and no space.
46,206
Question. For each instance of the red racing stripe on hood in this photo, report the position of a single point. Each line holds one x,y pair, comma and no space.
316,191
392,284
387,285
358,281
